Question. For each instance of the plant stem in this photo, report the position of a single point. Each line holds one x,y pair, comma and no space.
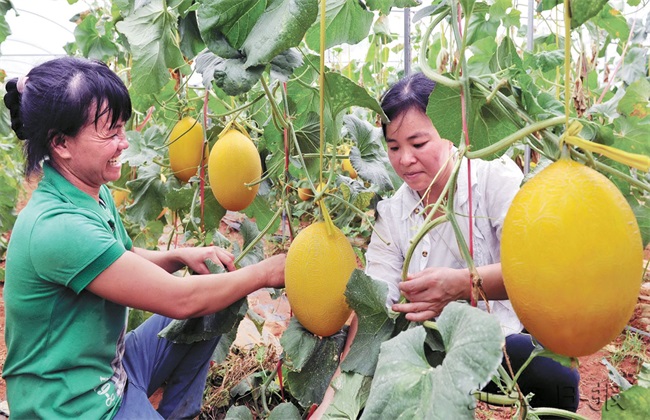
422,59
258,237
514,137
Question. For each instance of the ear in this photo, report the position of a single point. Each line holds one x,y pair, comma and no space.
59,147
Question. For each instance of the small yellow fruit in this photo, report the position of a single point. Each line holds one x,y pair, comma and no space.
306,194
346,165
120,197
318,267
186,148
571,255
233,163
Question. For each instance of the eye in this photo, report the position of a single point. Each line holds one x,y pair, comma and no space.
419,145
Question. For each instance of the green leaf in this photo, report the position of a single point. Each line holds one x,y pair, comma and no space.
282,26
636,101
506,57
348,403
549,60
405,385
191,42
632,404
309,384
634,65
233,18
148,192
632,134
226,320
583,10
152,35
92,44
5,30
342,93
641,210
144,147
367,297
611,20
369,158
283,65
384,6
213,212
285,411
346,22
487,123
230,74
239,412
261,210
298,344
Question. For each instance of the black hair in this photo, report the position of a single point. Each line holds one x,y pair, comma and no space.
57,99
409,92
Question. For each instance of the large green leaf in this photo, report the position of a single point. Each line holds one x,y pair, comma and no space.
583,10
348,403
312,361
486,122
342,93
233,18
631,404
285,411
369,158
230,74
5,30
148,192
282,26
91,43
222,322
346,22
191,42
144,147
367,298
152,35
405,385
384,6
612,21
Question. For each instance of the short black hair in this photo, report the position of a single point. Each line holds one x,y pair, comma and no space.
410,92
58,98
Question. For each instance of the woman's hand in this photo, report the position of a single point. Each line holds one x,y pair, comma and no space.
430,290
272,269
194,258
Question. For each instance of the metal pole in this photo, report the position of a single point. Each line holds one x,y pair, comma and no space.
529,47
407,41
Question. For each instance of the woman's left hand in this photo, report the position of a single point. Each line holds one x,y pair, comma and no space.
194,258
430,290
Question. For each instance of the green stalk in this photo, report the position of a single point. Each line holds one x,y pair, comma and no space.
258,237
514,137
424,64
428,223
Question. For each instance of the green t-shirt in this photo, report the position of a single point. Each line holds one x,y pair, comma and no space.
64,344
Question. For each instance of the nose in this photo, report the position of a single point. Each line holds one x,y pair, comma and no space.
124,141
407,157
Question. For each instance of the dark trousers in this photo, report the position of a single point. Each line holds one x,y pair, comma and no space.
554,385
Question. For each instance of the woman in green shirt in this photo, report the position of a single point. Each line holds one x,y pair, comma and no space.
72,271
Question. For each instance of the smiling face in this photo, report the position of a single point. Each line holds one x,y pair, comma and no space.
418,154
92,157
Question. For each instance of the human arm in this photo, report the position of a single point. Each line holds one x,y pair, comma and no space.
192,257
136,282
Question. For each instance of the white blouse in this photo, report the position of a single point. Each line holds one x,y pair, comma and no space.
399,218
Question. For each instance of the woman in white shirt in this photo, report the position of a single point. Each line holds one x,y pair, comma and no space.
438,274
